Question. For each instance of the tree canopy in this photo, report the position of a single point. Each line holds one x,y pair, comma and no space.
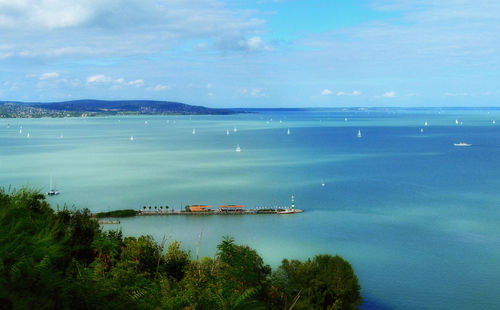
63,260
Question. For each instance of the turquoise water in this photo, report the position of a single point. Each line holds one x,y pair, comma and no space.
416,216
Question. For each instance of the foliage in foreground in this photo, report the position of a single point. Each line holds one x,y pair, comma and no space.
117,213
63,260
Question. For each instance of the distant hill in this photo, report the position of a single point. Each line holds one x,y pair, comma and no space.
107,107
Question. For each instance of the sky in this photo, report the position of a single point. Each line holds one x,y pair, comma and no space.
253,53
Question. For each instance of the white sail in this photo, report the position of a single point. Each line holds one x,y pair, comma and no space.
238,149
359,134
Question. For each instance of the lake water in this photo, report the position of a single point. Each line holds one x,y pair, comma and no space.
416,216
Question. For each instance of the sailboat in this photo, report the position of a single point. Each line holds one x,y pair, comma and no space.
235,130
21,131
456,121
28,135
421,130
359,134
493,122
425,124
131,138
227,132
323,184
194,131
288,131
52,191
238,149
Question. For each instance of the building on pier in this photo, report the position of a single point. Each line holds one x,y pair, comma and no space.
232,208
198,208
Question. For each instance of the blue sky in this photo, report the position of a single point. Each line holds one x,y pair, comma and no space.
260,53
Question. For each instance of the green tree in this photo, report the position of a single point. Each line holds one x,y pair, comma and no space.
325,282
175,261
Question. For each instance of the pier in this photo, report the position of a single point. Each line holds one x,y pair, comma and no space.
197,210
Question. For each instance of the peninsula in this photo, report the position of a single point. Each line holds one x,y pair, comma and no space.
91,107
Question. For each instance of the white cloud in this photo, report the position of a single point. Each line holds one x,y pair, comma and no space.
326,92
255,44
49,75
353,93
84,27
237,43
389,94
160,87
254,92
136,83
200,47
119,83
99,79
456,94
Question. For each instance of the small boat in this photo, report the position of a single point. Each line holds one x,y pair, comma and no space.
28,135
456,121
227,132
131,138
462,144
359,134
421,130
238,149
145,122
493,122
235,130
288,131
21,131
323,184
52,191
345,119
425,124
194,131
